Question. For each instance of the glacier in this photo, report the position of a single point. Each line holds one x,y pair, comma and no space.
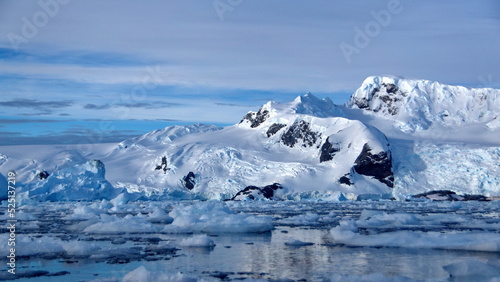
394,138
305,190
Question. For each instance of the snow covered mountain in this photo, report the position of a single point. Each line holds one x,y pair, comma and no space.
393,138
416,105
295,144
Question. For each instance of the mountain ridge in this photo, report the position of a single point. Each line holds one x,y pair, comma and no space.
310,147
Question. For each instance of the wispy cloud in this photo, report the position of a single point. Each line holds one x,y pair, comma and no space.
4,121
144,105
208,70
42,107
75,57
149,105
97,107
36,104
72,136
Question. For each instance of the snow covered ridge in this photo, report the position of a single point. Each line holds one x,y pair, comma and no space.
309,148
418,104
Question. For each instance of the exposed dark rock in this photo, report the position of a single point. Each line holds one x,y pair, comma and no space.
475,198
268,191
300,130
189,180
328,151
378,165
256,119
447,195
43,175
253,192
163,166
345,180
390,88
274,128
389,93
248,192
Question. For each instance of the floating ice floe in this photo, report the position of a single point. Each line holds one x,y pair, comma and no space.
307,219
141,274
408,231
28,246
200,241
129,224
215,217
158,215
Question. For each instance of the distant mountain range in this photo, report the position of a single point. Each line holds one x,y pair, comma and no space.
394,137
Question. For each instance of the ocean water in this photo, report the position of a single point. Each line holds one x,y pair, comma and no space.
52,245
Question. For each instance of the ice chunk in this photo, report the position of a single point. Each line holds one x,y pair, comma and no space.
30,246
128,224
201,240
215,217
82,212
307,219
141,274
158,215
348,233
297,243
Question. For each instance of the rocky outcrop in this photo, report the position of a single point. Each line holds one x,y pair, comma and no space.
384,97
189,180
255,193
256,118
274,128
447,195
300,132
43,175
328,151
346,179
378,165
163,166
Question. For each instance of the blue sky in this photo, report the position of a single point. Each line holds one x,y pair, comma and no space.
67,66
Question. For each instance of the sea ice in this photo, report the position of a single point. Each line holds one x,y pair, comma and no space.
141,274
297,243
201,240
215,217
349,233
129,224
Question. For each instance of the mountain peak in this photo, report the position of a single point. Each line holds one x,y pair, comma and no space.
306,104
309,104
417,104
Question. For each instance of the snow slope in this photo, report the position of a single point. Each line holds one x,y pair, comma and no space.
281,143
394,137
443,137
416,105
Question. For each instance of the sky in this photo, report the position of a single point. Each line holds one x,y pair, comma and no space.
74,71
